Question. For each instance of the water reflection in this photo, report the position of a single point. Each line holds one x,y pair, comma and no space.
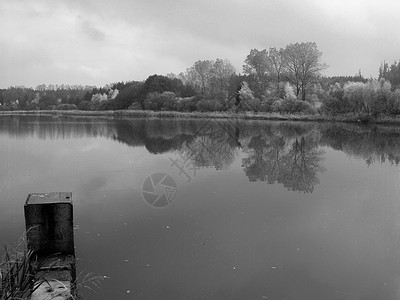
240,233
213,145
373,144
291,154
47,127
292,162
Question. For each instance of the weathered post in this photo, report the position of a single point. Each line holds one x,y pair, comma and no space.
50,236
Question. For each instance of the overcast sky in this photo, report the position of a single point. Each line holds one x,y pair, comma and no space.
96,42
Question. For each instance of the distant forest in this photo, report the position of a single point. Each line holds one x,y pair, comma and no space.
286,81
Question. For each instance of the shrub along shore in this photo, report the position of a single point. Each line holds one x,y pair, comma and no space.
126,114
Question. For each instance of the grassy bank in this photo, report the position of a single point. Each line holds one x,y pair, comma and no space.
126,114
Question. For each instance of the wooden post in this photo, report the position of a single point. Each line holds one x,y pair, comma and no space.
50,235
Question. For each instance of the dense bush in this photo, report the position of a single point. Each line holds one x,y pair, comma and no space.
208,105
135,106
304,107
152,101
161,84
289,106
293,106
128,95
251,104
105,105
164,101
84,105
353,92
372,98
393,102
247,101
267,102
277,105
66,107
187,104
332,106
218,106
169,100
33,106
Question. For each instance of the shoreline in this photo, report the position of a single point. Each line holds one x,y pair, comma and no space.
126,114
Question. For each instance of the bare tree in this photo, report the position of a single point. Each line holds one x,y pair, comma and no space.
210,78
221,74
199,76
277,64
302,62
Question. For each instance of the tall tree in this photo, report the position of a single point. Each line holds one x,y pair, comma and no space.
383,70
393,74
302,62
222,72
257,66
199,76
160,84
277,64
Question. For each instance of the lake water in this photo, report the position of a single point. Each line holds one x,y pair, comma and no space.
239,209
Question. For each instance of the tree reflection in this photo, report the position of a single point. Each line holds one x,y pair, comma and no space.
214,144
301,165
55,128
264,158
373,144
275,152
151,134
295,163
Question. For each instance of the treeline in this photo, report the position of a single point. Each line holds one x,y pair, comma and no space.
372,98
390,73
286,81
42,97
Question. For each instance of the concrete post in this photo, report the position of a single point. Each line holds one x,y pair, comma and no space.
49,223
50,235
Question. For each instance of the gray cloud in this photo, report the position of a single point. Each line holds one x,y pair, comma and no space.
92,32
97,42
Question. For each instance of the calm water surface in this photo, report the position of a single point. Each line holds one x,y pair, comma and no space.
262,210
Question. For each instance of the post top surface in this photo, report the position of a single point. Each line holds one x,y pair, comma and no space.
49,198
